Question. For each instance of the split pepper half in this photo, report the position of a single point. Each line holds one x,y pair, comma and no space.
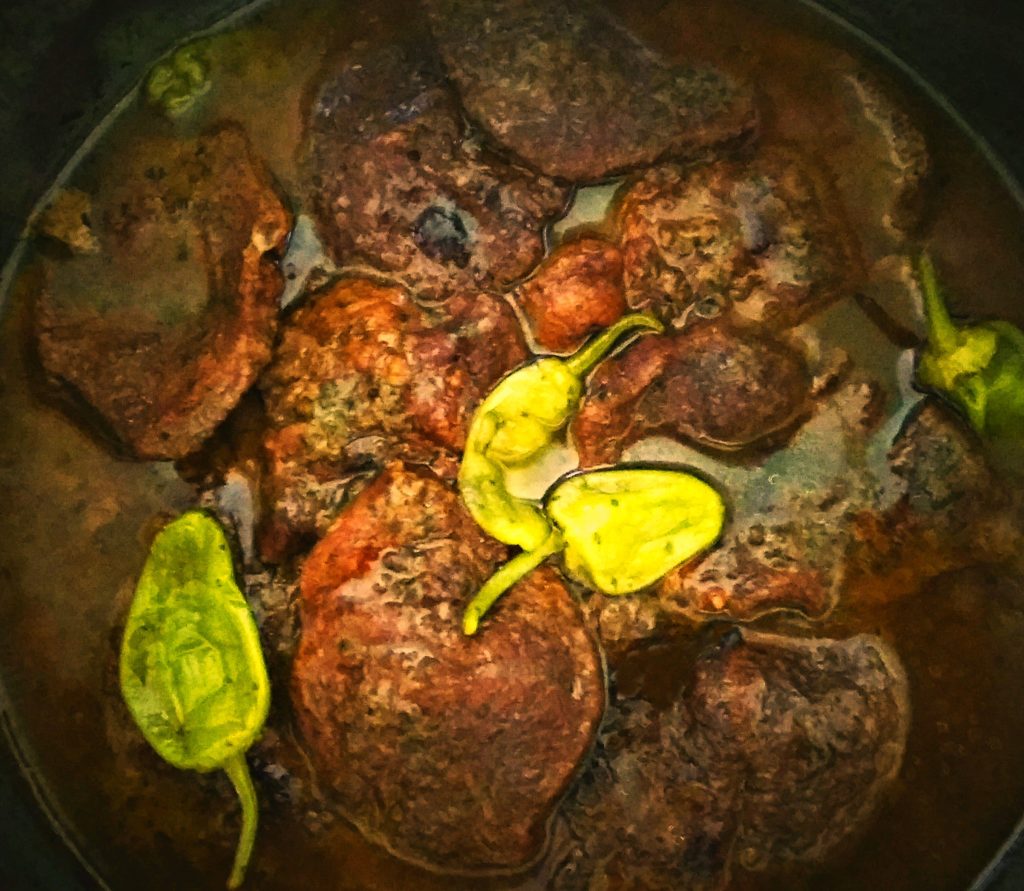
619,529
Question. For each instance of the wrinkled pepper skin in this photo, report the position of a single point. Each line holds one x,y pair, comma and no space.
620,530
512,520
174,85
979,368
191,668
518,420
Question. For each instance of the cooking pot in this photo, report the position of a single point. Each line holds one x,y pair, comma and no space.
66,64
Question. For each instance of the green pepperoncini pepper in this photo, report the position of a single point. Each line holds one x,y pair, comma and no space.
513,426
621,530
174,85
978,367
191,668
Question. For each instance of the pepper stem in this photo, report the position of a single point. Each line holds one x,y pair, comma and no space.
238,772
941,330
519,566
588,355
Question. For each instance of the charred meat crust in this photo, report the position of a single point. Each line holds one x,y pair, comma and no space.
450,751
576,291
576,96
363,374
400,183
163,384
779,750
950,512
818,728
710,385
765,239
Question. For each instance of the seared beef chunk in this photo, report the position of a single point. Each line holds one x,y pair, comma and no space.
784,547
647,815
711,385
363,374
449,750
828,521
576,291
779,750
817,730
757,238
572,93
949,511
398,182
166,315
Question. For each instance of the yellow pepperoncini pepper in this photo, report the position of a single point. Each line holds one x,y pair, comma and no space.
621,529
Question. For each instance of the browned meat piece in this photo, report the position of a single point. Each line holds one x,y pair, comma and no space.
791,558
785,545
398,183
363,374
948,512
817,730
647,815
168,323
576,291
576,96
450,751
795,563
759,239
710,385
779,750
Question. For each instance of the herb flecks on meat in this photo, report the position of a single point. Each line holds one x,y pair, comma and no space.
763,239
363,375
